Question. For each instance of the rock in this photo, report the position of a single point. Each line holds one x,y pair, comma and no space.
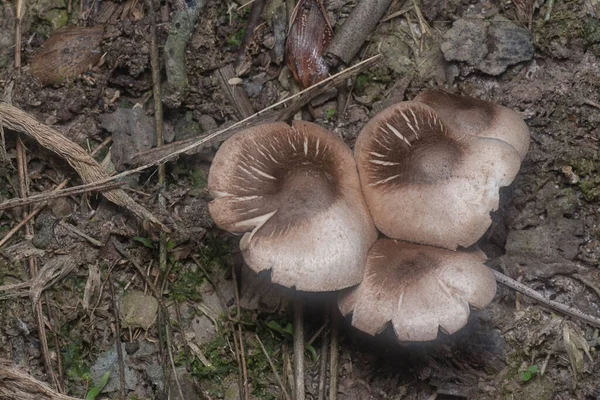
546,250
109,362
138,310
186,127
489,46
132,132
465,41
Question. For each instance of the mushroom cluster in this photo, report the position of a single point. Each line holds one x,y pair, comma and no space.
431,170
425,173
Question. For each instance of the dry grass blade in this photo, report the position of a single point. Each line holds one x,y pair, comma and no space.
280,111
87,168
16,384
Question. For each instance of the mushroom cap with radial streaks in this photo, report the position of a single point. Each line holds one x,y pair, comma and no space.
427,184
481,118
294,192
419,289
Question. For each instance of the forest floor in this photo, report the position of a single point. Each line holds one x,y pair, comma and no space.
538,58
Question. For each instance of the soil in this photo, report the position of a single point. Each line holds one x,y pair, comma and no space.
543,63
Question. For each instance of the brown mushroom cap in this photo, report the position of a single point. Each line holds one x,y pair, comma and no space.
420,289
295,194
476,117
425,183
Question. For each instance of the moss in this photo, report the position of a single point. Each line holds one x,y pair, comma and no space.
330,114
565,25
214,254
235,40
362,81
590,188
583,166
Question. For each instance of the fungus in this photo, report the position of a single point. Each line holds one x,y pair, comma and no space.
295,195
427,183
420,289
480,118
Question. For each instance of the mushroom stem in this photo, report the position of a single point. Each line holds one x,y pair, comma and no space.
529,292
299,391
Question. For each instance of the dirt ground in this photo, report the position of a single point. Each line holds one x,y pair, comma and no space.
538,58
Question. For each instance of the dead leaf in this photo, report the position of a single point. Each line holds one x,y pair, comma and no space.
68,53
309,36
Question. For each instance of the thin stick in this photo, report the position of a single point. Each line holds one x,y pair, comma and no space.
529,292
71,228
158,117
118,340
18,41
240,333
262,346
299,391
323,366
37,306
333,362
45,196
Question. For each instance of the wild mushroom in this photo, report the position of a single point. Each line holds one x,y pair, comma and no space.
480,118
294,192
419,289
427,183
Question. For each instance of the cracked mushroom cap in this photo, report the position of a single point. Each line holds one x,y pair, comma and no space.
294,192
420,289
480,118
425,183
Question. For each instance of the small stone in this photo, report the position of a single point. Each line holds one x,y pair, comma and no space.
138,310
489,46
465,41
109,362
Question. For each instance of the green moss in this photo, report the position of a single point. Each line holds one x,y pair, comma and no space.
362,81
330,114
583,166
235,40
590,188
565,25
199,179
213,254
74,363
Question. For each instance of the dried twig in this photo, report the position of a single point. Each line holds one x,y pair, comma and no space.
20,11
299,391
89,170
280,111
43,197
277,377
118,339
235,93
350,37
37,305
323,366
333,357
587,283
529,292
240,333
